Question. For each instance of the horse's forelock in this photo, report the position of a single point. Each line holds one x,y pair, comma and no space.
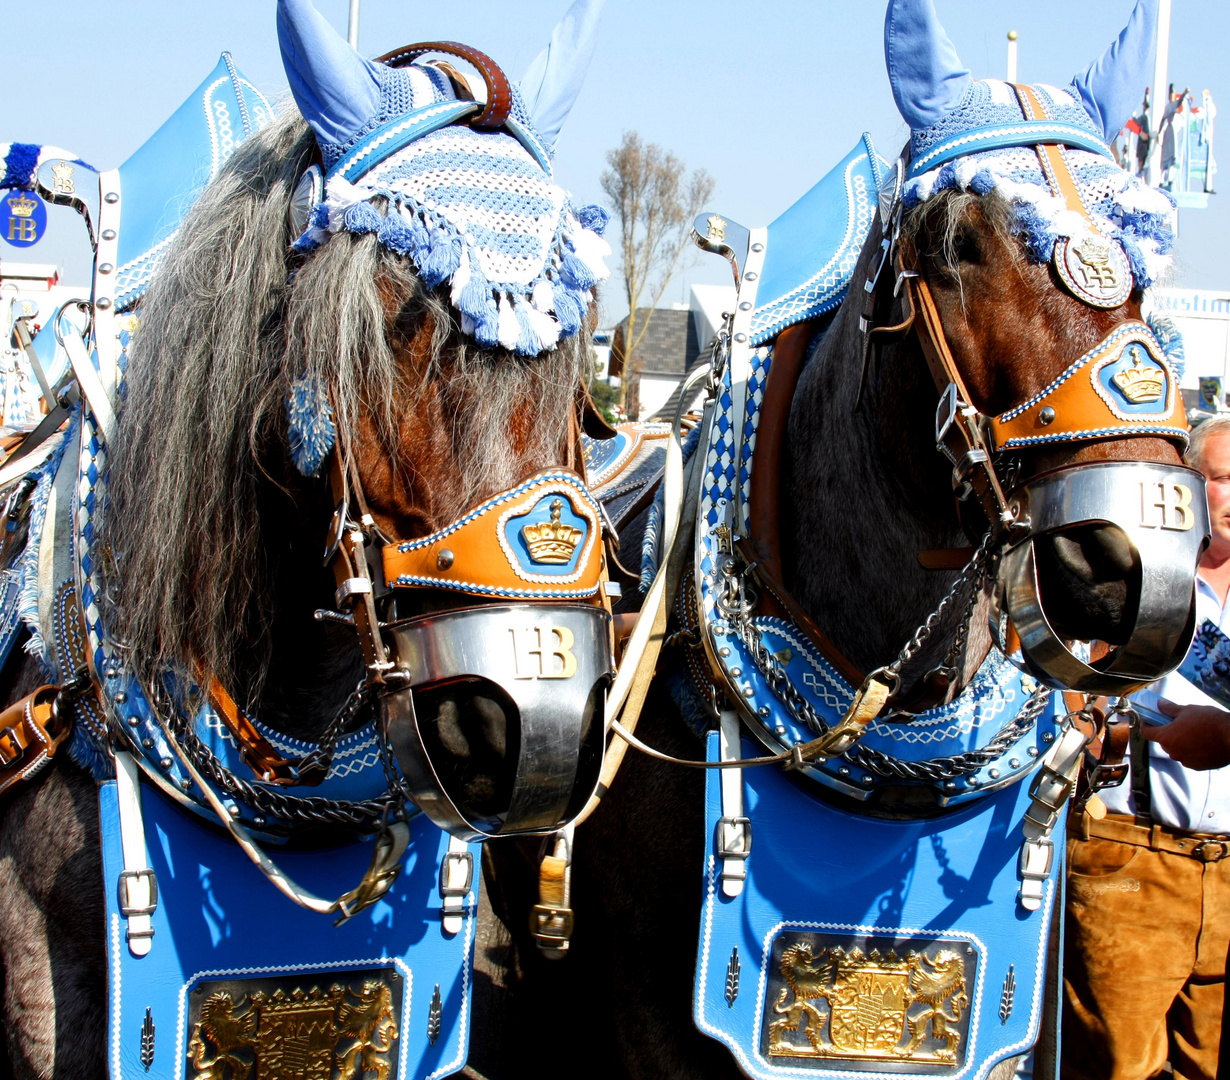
223,332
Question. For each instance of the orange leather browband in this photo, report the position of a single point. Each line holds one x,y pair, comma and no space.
1122,387
541,540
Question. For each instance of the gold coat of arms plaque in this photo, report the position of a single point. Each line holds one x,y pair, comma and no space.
328,1026
844,1002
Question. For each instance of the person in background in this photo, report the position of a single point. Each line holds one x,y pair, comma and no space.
1148,900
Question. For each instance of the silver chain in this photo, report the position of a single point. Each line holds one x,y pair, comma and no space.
936,770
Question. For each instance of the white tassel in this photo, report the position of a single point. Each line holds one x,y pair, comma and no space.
545,327
460,278
544,296
340,196
592,250
508,330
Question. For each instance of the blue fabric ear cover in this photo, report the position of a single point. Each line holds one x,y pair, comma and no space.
924,70
1113,85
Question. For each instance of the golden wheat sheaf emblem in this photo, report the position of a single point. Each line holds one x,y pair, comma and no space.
1138,383
552,543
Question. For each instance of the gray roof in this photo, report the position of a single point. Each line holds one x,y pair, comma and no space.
669,345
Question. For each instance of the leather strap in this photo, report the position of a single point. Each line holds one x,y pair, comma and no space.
499,93
254,748
1142,784
137,885
31,731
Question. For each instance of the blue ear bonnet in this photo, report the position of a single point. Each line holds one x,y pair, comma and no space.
1126,209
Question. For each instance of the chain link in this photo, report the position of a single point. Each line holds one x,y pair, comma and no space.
936,770
363,816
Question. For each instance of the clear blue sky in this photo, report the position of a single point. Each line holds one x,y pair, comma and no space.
766,96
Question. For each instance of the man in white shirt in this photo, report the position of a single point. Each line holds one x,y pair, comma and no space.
1148,904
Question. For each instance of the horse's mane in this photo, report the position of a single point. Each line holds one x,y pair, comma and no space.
202,438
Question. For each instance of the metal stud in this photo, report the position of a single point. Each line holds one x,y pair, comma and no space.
972,781
102,303
165,762
868,780
445,559
844,770
764,712
745,306
748,692
758,247
186,783
111,197
233,810
121,696
105,268
1046,416
751,275
134,721
1015,763
740,338
993,773
258,821
1032,751
149,745
108,234
724,651
735,672
1049,737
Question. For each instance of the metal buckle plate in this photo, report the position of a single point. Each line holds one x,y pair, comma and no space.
128,909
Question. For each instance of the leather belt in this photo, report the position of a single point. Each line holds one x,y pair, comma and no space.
1203,847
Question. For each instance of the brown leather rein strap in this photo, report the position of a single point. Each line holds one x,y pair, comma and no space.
499,93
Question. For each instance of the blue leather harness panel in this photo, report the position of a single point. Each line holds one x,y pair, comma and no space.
937,899
220,922
813,247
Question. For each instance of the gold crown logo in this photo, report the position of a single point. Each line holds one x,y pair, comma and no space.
717,230
22,206
552,542
1140,384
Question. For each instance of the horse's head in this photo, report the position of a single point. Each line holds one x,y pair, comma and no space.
383,317
1021,252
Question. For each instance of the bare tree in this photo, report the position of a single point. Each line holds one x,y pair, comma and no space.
655,203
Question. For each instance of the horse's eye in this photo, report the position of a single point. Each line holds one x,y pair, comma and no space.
965,245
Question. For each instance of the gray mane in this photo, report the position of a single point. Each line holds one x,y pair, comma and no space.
223,331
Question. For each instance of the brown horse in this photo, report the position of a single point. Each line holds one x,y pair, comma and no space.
222,535
863,492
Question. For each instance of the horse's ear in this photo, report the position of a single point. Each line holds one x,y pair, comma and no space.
924,69
1113,85
336,89
554,79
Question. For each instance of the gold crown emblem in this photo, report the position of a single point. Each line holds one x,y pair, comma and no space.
1140,384
552,542
22,206
717,230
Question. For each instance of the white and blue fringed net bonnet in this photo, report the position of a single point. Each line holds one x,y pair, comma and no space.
477,210
951,115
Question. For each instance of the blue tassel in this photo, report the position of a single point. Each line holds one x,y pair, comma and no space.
363,218
310,419
20,165
575,273
1171,341
593,218
478,302
528,343
396,235
568,309
443,258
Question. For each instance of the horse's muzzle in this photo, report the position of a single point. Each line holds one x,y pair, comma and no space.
1162,515
548,665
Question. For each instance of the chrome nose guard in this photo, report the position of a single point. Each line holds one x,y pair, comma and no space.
554,662
1162,511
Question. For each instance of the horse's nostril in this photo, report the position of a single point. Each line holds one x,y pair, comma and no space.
494,722
448,724
1095,553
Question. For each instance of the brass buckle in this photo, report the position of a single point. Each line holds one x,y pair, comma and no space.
10,749
551,926
127,908
1211,851
451,858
